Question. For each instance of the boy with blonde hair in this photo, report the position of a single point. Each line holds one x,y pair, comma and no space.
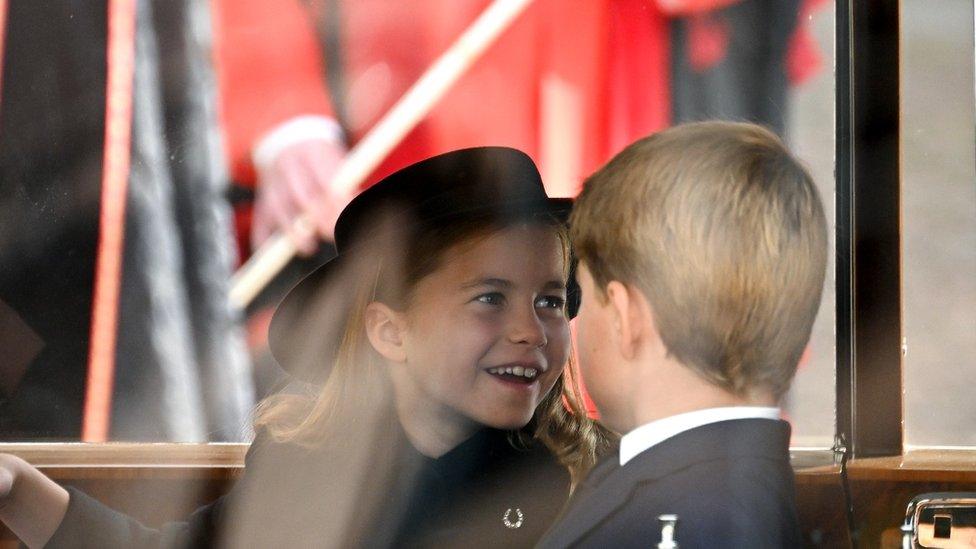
702,258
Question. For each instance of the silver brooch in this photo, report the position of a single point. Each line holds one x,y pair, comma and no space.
507,518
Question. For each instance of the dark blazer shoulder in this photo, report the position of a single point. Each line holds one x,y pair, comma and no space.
730,483
747,501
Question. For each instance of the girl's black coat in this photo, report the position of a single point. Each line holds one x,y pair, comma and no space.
377,492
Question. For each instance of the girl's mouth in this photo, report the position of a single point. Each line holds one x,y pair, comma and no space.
515,374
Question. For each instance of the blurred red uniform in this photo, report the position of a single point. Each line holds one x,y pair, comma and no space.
570,87
271,70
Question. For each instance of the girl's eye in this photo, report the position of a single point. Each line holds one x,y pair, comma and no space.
493,298
550,302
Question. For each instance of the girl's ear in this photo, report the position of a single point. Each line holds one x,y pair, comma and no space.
384,328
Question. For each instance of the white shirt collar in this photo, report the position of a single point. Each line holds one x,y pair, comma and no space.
655,432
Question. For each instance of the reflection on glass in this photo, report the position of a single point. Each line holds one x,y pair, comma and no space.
810,404
939,221
180,367
241,113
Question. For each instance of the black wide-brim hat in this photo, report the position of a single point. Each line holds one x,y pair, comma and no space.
456,187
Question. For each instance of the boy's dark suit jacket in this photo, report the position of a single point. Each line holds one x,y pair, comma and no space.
730,483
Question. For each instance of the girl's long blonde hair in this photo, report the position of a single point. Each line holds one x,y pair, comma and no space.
357,387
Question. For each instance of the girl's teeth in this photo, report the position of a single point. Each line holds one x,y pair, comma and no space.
520,371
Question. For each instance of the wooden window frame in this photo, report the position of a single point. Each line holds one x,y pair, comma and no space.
868,231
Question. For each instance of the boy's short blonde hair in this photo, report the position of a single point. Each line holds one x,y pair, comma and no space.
724,232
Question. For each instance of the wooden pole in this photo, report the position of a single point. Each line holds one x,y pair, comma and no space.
3,31
115,177
415,104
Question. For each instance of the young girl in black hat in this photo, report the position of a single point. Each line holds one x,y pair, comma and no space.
428,405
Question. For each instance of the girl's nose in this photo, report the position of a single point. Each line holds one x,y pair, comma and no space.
527,329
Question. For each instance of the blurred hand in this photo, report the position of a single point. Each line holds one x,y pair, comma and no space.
8,473
298,181
32,506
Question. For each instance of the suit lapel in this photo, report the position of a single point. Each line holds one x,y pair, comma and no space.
590,508
607,465
612,489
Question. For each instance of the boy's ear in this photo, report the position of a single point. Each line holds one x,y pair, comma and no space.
633,321
384,328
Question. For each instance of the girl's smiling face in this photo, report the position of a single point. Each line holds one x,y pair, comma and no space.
485,336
